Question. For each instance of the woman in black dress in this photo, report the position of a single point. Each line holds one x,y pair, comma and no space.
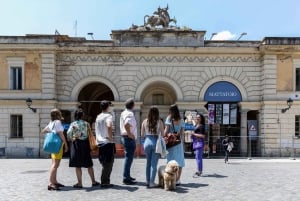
80,149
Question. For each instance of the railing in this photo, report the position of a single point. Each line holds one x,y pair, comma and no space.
30,147
259,146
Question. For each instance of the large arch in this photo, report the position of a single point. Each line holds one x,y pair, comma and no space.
223,78
158,79
90,97
92,79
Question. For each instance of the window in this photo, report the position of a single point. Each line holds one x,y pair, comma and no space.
297,79
157,99
16,78
16,126
297,126
16,73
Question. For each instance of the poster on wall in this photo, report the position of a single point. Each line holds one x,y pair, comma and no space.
252,129
233,113
219,111
225,114
211,113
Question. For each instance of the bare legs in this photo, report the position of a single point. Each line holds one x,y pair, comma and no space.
91,173
79,175
179,174
53,172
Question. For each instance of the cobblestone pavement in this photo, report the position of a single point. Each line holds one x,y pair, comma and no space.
241,179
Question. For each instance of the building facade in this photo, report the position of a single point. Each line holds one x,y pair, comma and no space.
240,86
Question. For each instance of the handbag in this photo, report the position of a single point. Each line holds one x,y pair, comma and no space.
172,139
52,142
92,139
197,143
230,146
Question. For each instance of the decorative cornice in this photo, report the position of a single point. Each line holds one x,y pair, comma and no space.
72,59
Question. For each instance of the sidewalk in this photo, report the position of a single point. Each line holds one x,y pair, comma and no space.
241,179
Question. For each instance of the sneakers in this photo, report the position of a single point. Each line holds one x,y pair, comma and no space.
197,174
129,182
152,185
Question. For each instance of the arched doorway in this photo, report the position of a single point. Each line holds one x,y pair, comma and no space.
157,93
90,97
160,94
223,116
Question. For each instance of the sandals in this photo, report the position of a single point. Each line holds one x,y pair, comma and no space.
55,188
95,184
59,185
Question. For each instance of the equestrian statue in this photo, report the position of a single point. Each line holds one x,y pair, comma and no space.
159,18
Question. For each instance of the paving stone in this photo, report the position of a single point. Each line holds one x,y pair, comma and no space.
241,179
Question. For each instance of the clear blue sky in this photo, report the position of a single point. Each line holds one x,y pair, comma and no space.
258,18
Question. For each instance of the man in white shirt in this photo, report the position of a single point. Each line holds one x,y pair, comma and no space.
128,129
103,127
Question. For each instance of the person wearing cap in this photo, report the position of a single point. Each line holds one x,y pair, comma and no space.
104,137
128,130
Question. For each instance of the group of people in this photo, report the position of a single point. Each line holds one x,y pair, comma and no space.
151,129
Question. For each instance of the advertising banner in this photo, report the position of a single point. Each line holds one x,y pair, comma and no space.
252,129
211,113
225,114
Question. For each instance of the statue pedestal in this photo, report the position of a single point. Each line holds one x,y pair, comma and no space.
158,38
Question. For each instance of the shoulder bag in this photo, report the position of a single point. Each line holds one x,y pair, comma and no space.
52,142
92,141
172,139
92,138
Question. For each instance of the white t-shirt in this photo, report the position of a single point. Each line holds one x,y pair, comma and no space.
101,127
55,126
127,116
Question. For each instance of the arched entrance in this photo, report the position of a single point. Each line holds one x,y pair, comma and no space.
223,116
90,97
160,94
157,93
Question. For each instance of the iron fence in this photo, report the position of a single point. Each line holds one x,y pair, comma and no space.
261,146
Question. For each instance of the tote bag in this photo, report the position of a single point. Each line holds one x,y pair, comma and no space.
161,147
52,143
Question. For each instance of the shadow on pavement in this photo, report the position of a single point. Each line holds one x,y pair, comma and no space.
125,188
193,185
214,175
184,188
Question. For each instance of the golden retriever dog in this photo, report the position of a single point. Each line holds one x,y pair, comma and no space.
167,175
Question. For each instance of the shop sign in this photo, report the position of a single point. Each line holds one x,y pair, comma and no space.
222,92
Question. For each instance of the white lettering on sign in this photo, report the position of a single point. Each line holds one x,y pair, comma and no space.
223,93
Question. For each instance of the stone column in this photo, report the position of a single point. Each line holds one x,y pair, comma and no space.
244,129
137,114
117,132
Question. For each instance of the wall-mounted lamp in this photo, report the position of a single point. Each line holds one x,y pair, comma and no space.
289,103
29,103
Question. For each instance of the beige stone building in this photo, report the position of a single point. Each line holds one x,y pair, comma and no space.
240,86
